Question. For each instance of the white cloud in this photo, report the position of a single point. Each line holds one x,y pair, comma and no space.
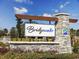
56,11
25,1
20,10
47,15
63,5
19,1
66,3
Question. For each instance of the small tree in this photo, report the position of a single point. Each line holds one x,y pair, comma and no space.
13,32
72,34
77,32
18,26
1,33
5,31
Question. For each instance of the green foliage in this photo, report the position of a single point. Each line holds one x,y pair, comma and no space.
1,33
13,32
77,32
76,48
72,32
2,44
30,39
36,55
18,26
5,31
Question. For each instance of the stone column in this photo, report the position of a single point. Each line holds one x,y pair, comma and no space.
63,33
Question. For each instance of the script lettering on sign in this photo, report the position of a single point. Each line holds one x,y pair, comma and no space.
39,30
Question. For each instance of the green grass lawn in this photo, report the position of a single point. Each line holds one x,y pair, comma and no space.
37,55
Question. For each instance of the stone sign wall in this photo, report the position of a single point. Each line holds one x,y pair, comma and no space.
62,37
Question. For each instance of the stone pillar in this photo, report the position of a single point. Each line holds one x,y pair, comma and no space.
63,33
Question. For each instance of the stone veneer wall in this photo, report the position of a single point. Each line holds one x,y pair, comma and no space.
43,48
63,33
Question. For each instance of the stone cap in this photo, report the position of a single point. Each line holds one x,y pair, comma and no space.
64,14
32,43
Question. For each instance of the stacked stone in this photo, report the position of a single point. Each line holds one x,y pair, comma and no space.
63,33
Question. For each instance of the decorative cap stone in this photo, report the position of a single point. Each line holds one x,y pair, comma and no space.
64,14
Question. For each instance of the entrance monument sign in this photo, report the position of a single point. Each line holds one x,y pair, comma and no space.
61,32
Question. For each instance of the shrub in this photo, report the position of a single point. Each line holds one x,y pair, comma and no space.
3,50
2,44
76,48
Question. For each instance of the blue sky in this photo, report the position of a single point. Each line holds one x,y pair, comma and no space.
8,9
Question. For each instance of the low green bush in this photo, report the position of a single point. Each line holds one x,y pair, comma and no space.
2,44
76,47
30,40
